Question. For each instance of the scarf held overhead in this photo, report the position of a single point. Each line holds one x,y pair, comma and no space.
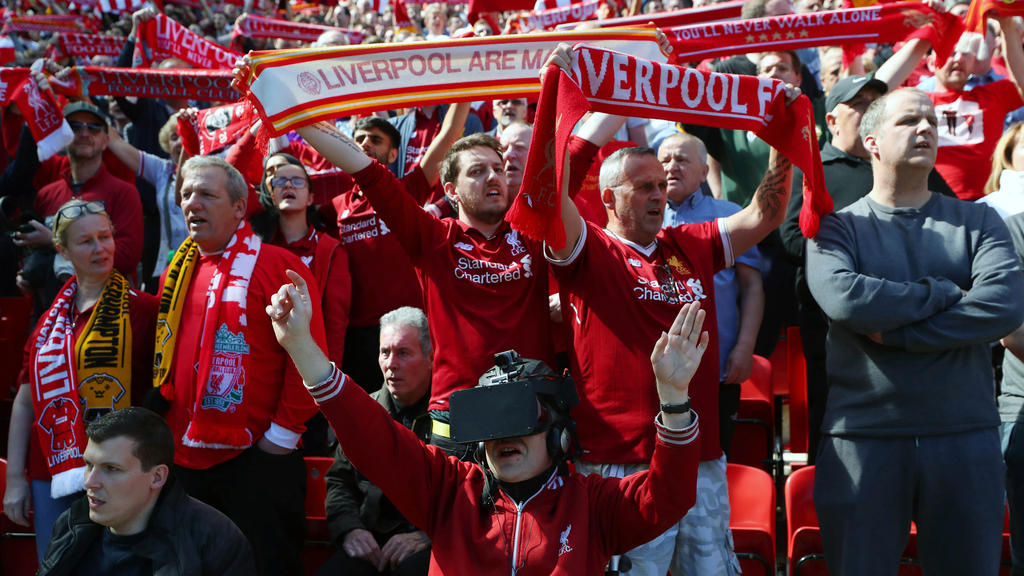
883,23
715,12
211,129
49,23
219,417
980,9
94,374
294,88
548,19
162,38
38,109
74,45
254,26
621,84
89,81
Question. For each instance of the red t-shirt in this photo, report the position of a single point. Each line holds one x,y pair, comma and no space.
142,309
383,277
612,297
482,295
273,393
427,128
970,124
123,205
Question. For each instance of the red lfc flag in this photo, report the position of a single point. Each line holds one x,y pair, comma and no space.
39,109
980,9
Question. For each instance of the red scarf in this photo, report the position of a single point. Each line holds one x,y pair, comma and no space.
75,45
253,26
50,23
163,38
293,88
219,416
93,373
563,15
715,12
980,9
39,110
88,81
605,81
213,128
881,24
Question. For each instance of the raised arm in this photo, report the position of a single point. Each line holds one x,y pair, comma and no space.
125,152
451,130
899,66
338,148
768,208
1013,50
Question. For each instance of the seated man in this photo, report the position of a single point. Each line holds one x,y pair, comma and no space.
372,536
518,507
135,518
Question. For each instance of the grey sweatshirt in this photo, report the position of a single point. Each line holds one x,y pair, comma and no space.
938,283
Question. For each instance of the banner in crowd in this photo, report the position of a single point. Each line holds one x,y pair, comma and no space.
75,45
882,23
49,23
211,129
980,9
617,83
562,15
293,88
713,13
162,38
253,26
89,81
41,112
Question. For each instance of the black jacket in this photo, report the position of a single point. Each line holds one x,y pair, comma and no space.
353,501
184,537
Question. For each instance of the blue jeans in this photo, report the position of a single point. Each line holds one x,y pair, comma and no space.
46,510
1013,455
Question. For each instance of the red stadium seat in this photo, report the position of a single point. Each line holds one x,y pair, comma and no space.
753,440
17,545
317,548
752,518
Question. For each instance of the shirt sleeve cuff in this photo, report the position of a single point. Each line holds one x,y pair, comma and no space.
575,249
678,437
723,231
282,436
329,387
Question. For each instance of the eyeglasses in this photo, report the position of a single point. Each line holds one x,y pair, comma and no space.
77,210
77,127
295,181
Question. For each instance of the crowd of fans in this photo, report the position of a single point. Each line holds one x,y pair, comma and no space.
379,247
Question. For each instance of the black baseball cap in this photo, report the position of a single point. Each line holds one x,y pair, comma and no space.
847,88
85,106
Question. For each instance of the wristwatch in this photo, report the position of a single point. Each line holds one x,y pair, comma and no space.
676,408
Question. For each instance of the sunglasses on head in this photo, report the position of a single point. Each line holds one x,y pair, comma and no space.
93,128
295,181
76,211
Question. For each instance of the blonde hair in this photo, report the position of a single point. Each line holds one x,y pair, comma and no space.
61,223
164,136
1002,154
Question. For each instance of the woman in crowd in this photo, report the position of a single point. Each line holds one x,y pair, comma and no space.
289,219
91,353
1004,190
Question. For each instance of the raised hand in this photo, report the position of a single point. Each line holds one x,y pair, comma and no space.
678,353
290,310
